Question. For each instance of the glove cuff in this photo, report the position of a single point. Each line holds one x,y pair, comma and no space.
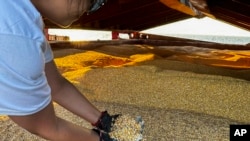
98,122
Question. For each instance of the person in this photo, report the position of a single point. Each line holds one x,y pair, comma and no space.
29,79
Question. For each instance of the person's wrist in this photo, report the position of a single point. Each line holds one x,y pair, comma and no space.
98,122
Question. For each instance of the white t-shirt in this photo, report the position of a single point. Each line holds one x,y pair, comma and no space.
24,51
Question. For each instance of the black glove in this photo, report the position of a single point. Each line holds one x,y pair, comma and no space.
106,122
103,136
95,5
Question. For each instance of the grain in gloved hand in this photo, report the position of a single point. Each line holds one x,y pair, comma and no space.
127,128
106,122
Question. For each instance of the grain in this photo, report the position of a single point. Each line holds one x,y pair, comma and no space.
127,128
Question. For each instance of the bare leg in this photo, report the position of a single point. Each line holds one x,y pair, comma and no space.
47,125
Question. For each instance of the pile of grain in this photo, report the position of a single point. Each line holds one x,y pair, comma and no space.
177,100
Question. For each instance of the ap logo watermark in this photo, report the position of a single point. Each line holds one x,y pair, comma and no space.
239,132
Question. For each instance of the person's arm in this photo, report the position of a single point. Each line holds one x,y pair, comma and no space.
47,125
66,95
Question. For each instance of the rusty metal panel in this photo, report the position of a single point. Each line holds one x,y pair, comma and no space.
236,12
128,15
143,14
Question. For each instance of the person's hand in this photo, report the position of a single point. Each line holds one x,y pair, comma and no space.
103,136
106,122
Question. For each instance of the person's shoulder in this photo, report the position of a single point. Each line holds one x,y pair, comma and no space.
17,9
20,17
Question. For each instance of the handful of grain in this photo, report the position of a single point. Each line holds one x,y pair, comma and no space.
127,128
